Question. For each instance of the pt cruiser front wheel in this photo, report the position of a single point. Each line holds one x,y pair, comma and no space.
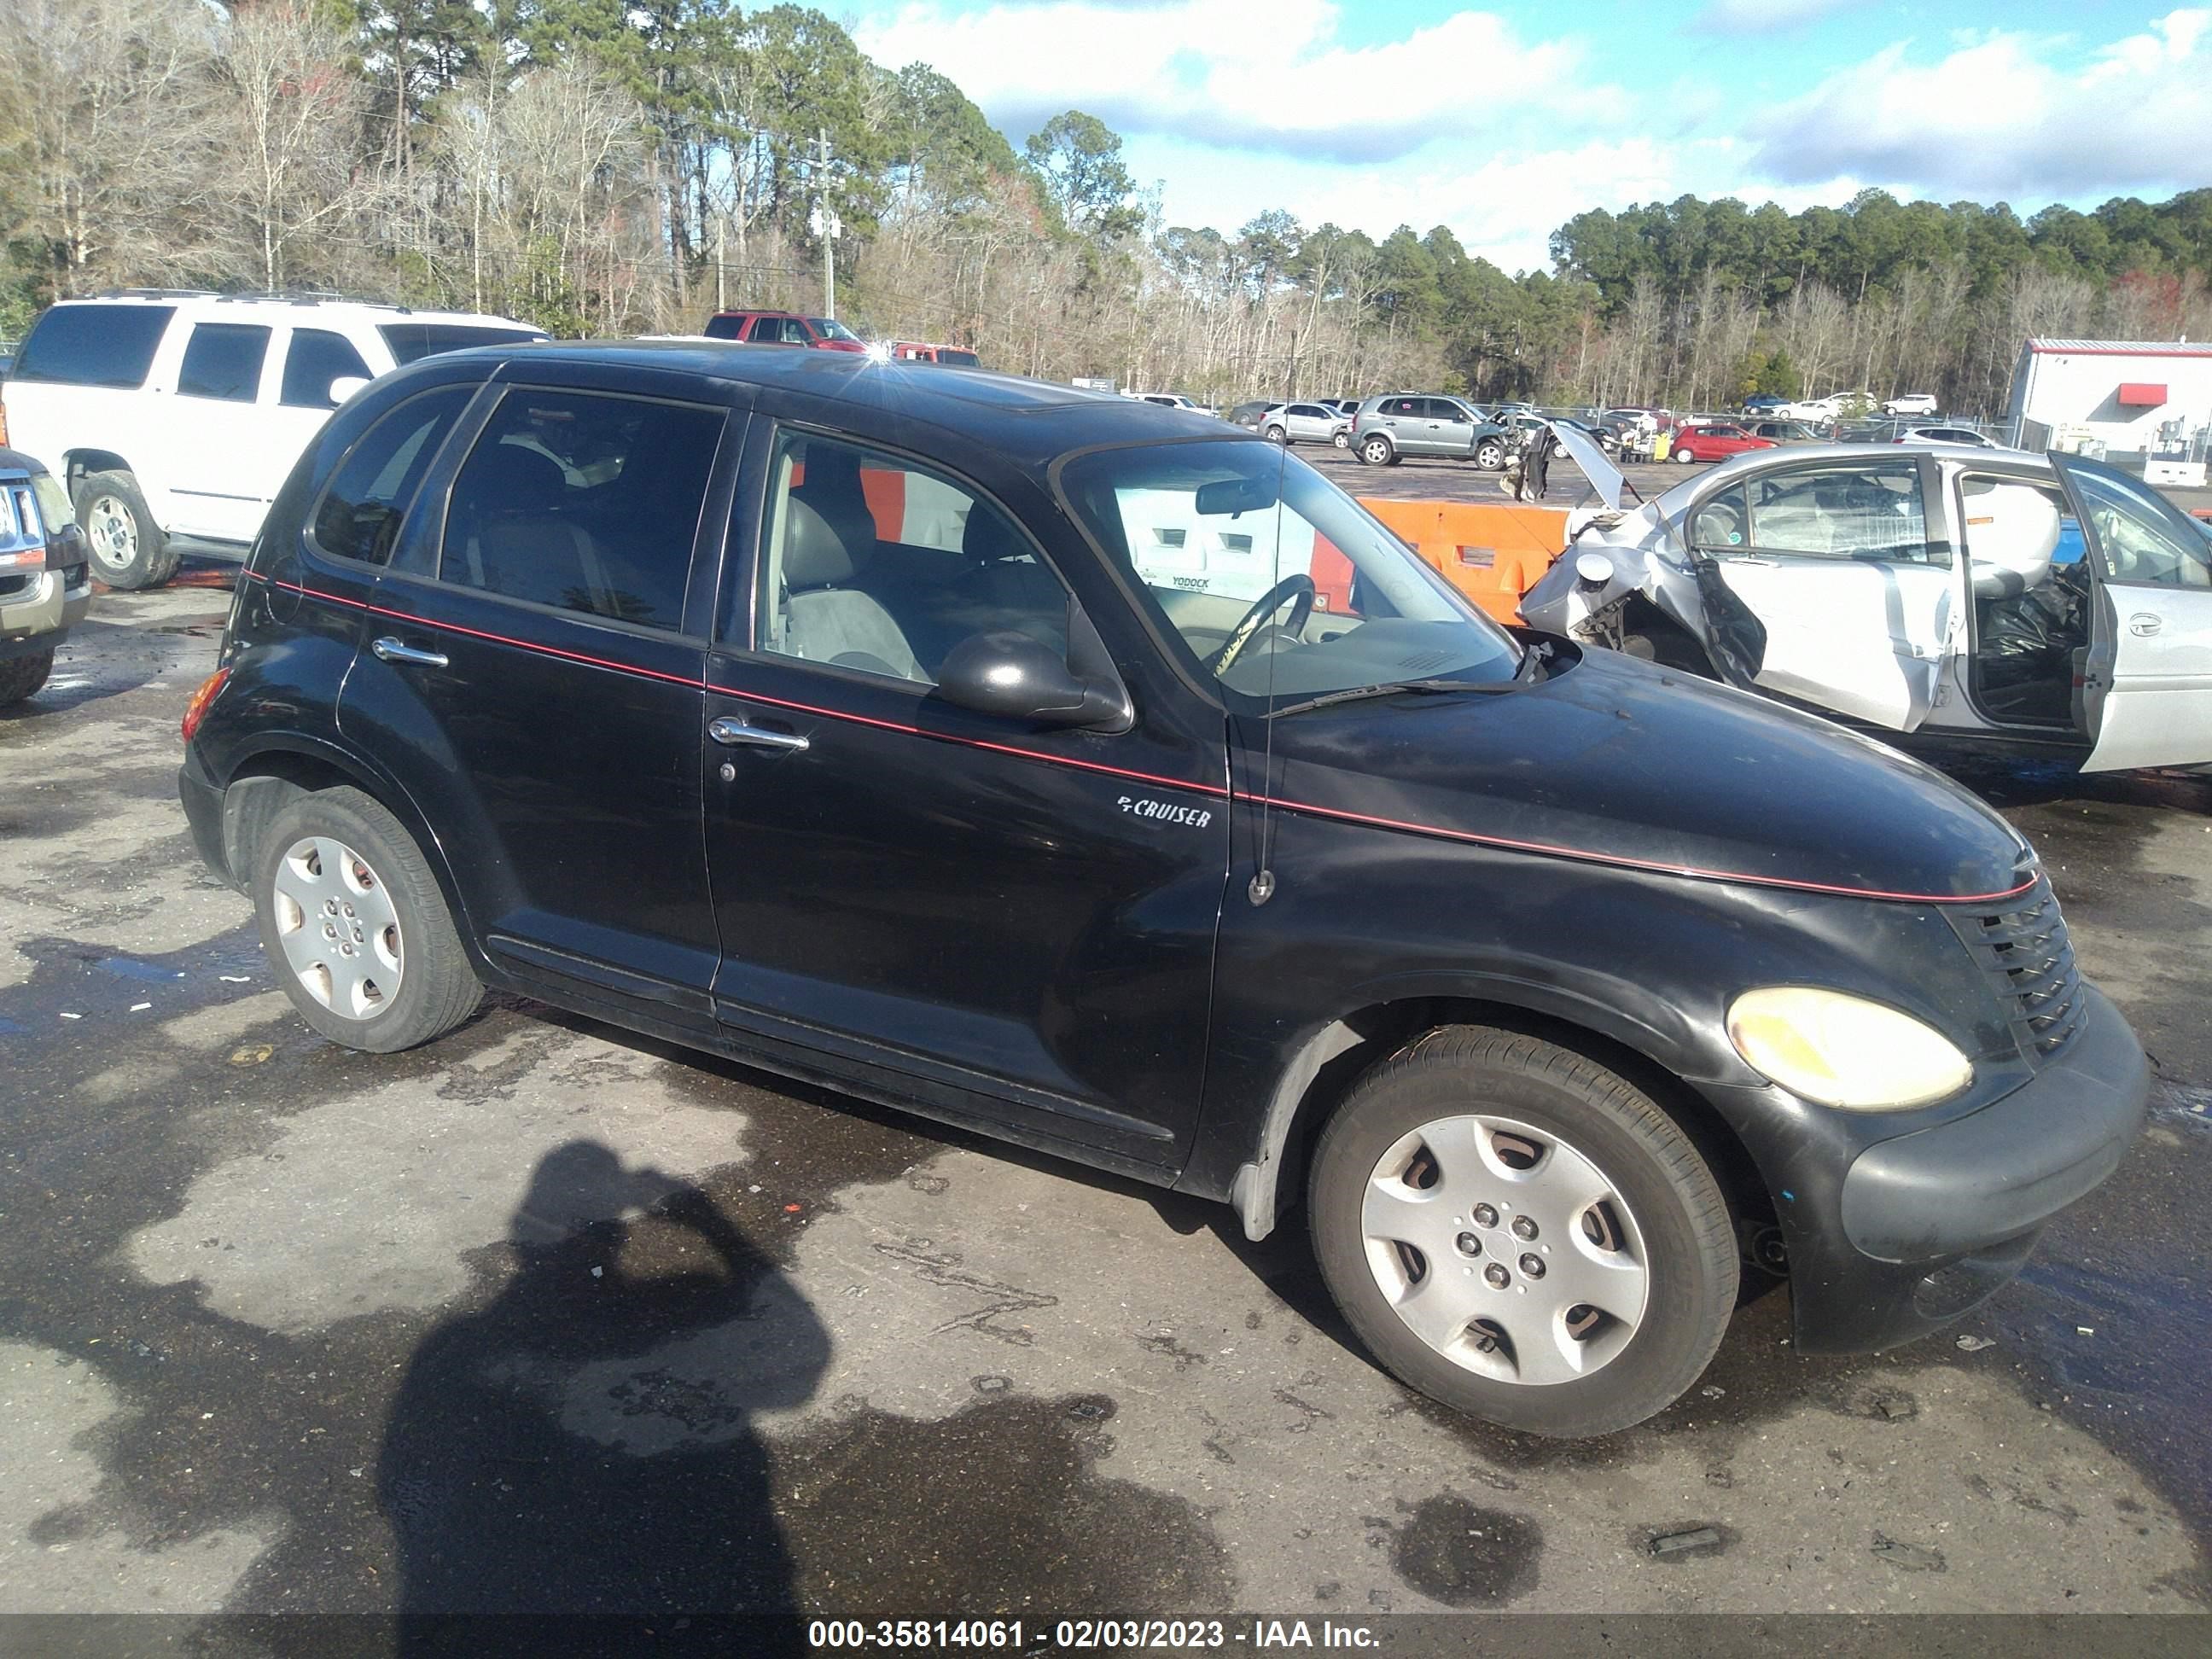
1521,1234
354,925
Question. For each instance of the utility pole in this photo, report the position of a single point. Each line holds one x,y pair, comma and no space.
824,223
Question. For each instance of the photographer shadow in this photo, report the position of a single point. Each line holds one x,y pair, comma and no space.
509,1494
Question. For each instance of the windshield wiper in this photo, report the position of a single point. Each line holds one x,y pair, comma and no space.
1394,687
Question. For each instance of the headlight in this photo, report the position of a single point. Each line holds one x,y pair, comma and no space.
1843,1050
1593,567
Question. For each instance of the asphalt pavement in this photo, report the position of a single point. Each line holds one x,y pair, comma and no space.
545,1316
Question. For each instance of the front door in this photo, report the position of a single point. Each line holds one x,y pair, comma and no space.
1450,427
2147,683
1015,924
1834,564
536,660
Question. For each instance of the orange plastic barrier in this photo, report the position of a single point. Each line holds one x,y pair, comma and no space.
1491,553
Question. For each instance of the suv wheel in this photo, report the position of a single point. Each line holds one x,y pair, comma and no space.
1277,435
1518,1232
1378,451
351,915
1342,440
1490,455
128,548
22,677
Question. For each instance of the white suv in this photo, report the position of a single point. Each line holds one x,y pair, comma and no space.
173,417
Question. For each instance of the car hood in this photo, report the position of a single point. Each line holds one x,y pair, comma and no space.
1613,762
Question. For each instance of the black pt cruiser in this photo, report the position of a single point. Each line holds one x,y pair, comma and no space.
1103,778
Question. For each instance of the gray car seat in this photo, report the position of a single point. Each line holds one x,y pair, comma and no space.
821,616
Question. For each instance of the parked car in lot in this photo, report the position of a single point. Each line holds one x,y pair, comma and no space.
172,416
1249,415
2010,600
919,351
46,580
1944,435
894,752
1714,440
1764,403
1389,429
1167,399
1306,423
1912,402
1783,432
782,328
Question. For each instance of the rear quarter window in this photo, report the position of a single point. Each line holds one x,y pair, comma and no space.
93,345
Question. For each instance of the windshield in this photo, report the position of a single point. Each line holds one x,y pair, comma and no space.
1208,530
830,329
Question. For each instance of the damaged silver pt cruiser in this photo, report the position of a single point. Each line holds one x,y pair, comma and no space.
2031,602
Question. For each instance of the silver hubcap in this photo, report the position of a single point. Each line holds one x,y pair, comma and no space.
1506,1250
338,928
111,532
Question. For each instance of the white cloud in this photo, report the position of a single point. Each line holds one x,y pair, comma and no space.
2011,115
1767,17
1265,74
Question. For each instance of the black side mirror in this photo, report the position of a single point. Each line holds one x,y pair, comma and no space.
1012,675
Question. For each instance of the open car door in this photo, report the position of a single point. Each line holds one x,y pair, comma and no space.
1819,584
2145,690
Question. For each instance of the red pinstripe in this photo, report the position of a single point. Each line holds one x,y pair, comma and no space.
1544,849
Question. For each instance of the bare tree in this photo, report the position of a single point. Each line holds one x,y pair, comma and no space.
110,115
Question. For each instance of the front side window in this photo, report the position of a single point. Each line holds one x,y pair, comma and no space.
1209,533
110,346
360,513
315,358
2139,534
1861,510
873,563
583,501
828,328
223,361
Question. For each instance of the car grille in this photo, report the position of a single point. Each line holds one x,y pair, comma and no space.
2028,956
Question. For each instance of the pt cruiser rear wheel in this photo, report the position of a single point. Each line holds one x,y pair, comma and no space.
354,924
1521,1234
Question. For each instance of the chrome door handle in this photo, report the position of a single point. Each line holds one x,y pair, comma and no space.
2144,623
390,650
731,732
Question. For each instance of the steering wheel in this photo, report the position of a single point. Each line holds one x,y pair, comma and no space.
1298,587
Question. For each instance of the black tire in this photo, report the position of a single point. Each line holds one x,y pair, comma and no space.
22,677
1682,455
1276,434
114,501
1342,440
1688,1244
1490,455
1376,450
437,988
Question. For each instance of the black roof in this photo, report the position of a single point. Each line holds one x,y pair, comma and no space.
1034,420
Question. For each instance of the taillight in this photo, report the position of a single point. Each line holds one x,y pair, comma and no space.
196,710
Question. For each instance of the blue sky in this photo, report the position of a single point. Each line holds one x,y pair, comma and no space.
1504,120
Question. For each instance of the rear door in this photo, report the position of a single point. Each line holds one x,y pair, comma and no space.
2145,685
535,661
220,477
1825,582
1406,421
